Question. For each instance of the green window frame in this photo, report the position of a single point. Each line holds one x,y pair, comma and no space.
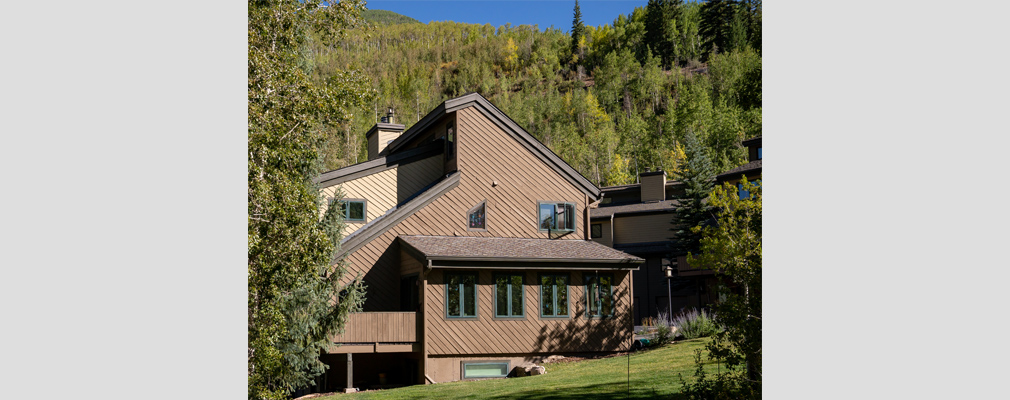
508,295
599,295
479,370
554,295
461,295
556,216
354,209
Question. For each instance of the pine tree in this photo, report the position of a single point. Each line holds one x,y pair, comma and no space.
697,177
578,34
296,301
661,29
716,25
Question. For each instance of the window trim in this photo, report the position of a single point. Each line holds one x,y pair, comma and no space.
471,211
476,296
464,364
540,294
585,288
575,216
522,295
592,234
347,210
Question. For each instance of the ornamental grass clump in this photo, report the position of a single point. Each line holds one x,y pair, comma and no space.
694,323
663,331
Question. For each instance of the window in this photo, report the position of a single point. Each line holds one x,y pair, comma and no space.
485,370
554,295
508,295
596,231
759,153
354,210
461,295
599,295
476,217
557,216
450,140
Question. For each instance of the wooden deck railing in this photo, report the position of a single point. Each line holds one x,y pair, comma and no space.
380,327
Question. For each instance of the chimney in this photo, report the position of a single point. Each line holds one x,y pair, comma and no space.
382,134
653,185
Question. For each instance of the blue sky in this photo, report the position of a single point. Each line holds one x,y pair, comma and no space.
517,12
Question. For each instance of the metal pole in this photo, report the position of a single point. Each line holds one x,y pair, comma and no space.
669,298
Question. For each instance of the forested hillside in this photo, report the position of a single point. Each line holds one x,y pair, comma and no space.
610,100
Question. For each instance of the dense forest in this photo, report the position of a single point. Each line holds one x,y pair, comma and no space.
610,100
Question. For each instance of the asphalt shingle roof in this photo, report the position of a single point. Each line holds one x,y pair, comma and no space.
663,205
504,249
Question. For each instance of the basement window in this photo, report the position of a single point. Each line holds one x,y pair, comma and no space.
478,370
461,295
556,216
476,217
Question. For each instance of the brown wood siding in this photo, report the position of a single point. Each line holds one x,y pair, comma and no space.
415,176
379,189
643,228
608,234
379,327
531,334
409,264
486,154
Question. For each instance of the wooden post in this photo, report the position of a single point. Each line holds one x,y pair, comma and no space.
350,375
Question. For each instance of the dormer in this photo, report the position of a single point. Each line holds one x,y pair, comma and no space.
382,134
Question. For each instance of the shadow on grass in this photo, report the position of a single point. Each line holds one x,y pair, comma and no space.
611,390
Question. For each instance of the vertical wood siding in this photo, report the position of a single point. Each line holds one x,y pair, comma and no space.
382,327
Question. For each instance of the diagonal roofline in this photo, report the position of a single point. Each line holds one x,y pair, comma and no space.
506,124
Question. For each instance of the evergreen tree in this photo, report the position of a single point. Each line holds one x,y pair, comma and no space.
661,29
296,301
578,34
697,177
716,25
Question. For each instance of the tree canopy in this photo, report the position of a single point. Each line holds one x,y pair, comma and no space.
296,297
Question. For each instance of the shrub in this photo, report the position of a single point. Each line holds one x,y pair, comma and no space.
663,331
695,323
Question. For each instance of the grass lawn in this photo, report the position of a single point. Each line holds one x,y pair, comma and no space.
653,375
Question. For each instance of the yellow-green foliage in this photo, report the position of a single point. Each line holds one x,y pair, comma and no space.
627,104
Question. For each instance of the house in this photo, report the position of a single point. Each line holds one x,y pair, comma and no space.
473,240
637,219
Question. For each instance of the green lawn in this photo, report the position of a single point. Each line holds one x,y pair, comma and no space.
653,374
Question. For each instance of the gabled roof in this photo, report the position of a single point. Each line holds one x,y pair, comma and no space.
468,250
506,124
